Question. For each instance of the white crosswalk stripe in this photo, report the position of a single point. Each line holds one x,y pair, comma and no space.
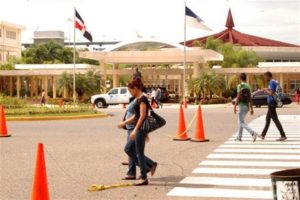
287,151
255,156
241,170
244,171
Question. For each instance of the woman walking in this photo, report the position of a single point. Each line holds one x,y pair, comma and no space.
136,145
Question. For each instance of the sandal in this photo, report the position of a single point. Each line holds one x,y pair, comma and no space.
141,182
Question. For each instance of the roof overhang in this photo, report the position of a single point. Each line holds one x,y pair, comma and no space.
276,53
261,70
153,57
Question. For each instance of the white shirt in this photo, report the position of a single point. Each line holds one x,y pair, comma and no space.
153,93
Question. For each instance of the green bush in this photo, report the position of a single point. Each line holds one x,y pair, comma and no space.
229,93
10,102
47,110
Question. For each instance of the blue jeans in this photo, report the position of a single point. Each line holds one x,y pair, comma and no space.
243,110
135,150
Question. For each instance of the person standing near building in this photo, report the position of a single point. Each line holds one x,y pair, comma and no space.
272,104
158,97
43,98
244,103
153,95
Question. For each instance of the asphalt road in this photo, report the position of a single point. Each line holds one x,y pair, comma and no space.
84,152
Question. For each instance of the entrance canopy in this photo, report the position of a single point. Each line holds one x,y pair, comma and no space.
151,51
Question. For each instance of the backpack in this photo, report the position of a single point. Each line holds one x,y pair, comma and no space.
278,94
244,95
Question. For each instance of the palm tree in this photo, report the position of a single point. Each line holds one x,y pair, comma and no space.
232,82
65,84
207,84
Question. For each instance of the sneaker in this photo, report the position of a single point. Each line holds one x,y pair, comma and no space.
254,136
238,139
261,137
281,139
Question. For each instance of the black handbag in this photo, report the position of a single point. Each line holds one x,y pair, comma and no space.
152,122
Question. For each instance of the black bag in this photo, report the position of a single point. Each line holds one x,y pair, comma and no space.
152,122
244,95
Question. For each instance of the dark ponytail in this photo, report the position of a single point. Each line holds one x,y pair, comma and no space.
136,83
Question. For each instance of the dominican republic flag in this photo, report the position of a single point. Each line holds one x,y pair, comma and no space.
194,21
79,24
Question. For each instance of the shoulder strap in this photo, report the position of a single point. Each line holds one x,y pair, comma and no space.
148,104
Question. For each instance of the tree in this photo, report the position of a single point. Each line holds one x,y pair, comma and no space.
207,84
65,84
234,55
86,84
233,82
52,53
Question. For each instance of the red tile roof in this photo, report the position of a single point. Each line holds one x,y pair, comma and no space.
235,37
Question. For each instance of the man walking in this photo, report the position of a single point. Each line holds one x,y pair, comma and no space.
158,97
244,102
272,104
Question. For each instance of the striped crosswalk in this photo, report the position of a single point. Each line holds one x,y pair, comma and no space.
241,170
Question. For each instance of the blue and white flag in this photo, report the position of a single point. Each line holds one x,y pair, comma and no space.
192,20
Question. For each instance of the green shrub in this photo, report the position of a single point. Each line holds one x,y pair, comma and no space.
10,102
30,110
229,93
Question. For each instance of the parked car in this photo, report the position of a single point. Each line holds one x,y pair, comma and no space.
120,95
259,99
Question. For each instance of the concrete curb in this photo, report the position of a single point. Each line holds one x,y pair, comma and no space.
56,117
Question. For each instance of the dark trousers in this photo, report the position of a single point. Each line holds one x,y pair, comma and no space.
272,114
135,150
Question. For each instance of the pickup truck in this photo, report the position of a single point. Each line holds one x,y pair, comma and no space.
120,95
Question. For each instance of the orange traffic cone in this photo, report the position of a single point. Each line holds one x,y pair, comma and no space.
181,133
3,128
199,132
40,185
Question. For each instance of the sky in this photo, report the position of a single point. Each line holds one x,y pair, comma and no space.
121,20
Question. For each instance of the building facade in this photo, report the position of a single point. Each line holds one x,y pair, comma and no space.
10,41
40,37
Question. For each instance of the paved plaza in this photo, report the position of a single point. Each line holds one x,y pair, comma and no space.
80,153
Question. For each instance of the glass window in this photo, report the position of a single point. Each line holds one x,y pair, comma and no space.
11,35
123,91
294,84
114,91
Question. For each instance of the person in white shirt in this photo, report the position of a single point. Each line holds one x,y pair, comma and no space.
153,95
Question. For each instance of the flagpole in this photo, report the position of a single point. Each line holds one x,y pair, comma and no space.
184,55
74,60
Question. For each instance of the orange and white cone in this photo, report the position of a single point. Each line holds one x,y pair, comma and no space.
40,184
3,128
199,132
182,131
